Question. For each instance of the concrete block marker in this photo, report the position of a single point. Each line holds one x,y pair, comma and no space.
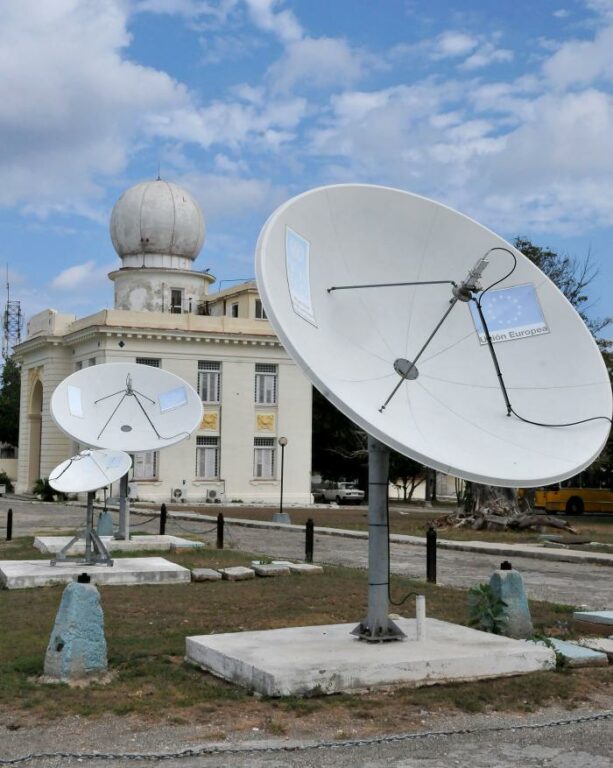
205,574
603,644
301,661
237,573
24,574
578,656
77,646
594,617
271,569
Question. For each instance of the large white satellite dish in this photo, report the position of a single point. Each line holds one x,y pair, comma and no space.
89,470
126,407
324,263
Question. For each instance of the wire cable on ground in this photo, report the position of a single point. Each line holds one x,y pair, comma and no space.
204,751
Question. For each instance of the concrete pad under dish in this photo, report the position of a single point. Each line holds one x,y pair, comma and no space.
53,544
301,661
594,617
23,574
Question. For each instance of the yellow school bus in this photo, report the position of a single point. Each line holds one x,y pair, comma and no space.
580,494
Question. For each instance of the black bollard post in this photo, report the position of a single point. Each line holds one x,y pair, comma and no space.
431,555
9,525
220,525
163,514
309,540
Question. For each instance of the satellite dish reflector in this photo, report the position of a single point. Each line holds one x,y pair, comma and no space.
408,360
126,406
89,470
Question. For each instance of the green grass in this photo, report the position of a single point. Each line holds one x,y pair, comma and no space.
146,628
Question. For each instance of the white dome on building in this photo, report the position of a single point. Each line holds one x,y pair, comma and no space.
157,218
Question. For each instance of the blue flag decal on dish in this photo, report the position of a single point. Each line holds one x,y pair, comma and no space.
510,313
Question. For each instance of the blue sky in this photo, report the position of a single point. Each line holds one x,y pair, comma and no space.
501,110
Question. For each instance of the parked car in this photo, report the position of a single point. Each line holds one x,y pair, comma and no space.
343,493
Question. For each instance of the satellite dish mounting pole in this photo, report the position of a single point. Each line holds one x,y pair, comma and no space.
124,509
378,627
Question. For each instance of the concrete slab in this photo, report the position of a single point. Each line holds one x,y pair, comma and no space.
603,644
594,617
24,574
578,656
205,574
270,569
302,569
237,573
53,544
302,661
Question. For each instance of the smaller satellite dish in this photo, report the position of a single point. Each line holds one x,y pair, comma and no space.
89,470
126,407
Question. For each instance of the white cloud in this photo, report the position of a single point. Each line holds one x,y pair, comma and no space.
231,123
282,23
561,13
318,62
232,197
580,62
485,55
87,275
192,9
71,105
452,44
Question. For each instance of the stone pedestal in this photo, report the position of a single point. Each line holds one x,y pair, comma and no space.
508,585
77,646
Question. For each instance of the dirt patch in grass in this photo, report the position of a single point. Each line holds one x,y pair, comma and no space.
146,628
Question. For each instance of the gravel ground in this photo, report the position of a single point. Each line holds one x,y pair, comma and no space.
586,744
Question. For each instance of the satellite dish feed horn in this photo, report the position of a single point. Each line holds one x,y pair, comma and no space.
372,291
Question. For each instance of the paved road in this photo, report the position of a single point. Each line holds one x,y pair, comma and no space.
571,583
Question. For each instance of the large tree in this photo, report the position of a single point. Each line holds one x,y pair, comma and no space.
10,387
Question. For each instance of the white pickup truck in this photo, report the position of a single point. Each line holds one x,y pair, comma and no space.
343,493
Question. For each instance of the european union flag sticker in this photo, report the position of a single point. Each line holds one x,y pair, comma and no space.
510,313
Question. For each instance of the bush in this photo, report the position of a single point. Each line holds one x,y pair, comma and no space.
6,480
43,489
486,610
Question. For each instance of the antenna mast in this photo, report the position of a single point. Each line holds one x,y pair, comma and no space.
12,322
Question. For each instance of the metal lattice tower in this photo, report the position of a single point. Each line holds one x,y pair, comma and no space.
12,322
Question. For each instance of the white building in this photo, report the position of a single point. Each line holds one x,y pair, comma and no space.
220,343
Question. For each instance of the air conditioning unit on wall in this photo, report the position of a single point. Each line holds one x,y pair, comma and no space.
213,496
178,494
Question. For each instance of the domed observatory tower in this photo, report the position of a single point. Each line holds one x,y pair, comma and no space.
157,229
